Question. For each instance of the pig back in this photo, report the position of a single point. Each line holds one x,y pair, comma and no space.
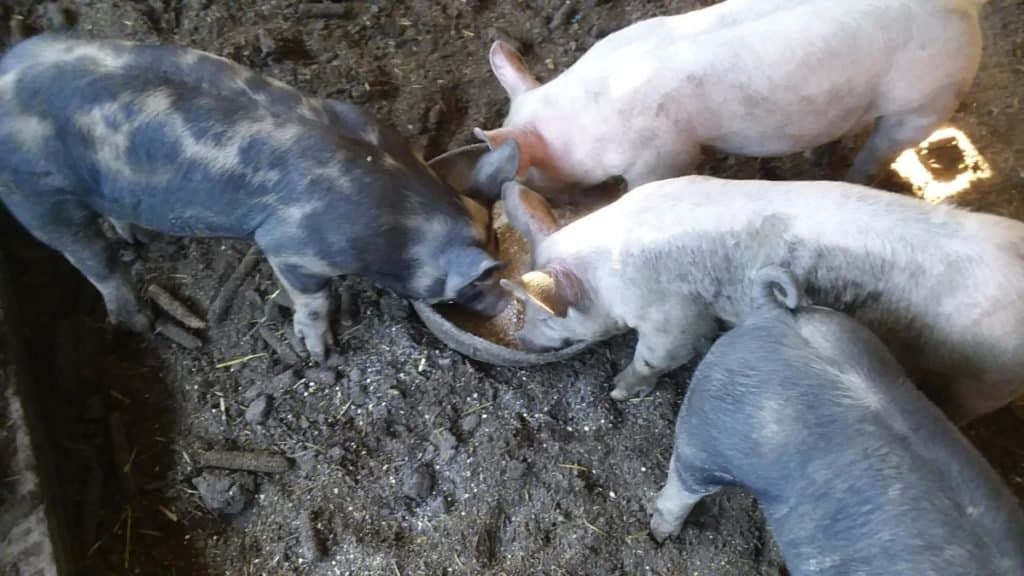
188,143
855,469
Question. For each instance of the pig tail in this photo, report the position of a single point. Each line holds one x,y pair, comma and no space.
774,285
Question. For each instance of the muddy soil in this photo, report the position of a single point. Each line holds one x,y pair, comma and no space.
405,458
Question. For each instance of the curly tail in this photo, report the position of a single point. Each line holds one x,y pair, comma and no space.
774,285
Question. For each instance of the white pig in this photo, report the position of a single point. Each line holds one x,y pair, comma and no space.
749,77
943,287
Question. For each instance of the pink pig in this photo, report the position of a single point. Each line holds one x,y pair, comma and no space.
748,77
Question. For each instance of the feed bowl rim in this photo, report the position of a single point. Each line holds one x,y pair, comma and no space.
479,348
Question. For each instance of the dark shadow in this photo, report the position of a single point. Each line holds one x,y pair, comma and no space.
108,416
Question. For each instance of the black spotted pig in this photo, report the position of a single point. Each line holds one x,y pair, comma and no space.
855,470
942,286
186,143
748,77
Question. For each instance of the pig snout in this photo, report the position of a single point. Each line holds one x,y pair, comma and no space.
532,344
486,299
473,282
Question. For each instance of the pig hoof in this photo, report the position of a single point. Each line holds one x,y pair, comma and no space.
628,387
319,357
315,343
317,352
661,530
621,394
138,322
127,255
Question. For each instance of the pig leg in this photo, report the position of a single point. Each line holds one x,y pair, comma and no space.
665,343
963,399
891,135
822,156
663,163
123,229
599,195
73,229
672,505
309,294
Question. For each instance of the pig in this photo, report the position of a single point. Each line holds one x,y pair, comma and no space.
855,470
760,78
169,139
942,286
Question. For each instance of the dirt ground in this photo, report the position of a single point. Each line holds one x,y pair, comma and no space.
406,458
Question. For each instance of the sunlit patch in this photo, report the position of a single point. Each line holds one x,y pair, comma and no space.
942,166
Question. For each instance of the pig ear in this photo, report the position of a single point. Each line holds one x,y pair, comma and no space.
510,70
494,169
528,213
601,194
530,145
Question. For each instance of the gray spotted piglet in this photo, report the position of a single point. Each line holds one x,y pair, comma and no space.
186,143
855,470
